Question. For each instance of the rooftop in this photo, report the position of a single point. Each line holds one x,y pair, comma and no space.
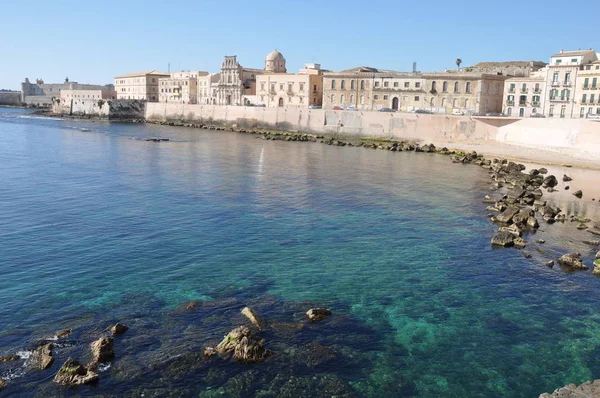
573,53
135,74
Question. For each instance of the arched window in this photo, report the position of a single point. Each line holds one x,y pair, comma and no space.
333,98
352,84
343,85
455,102
508,111
342,98
443,102
433,86
333,84
362,84
445,86
351,99
432,102
456,87
468,87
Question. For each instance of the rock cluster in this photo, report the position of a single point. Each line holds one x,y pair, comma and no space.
244,345
72,373
41,358
589,389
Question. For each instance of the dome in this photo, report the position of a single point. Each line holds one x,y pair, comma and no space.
274,56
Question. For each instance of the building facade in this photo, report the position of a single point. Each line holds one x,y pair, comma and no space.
368,88
180,87
107,93
525,96
139,85
588,90
42,94
562,80
235,83
278,89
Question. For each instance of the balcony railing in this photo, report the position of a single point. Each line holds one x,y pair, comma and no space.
524,90
557,98
584,101
537,91
556,83
510,103
567,83
511,90
522,103
586,87
535,103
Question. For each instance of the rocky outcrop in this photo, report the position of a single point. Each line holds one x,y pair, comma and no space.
253,317
596,270
63,334
102,349
572,260
2,383
318,314
9,358
119,328
591,389
244,346
72,373
41,358
503,239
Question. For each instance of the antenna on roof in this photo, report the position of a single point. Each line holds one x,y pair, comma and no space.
169,68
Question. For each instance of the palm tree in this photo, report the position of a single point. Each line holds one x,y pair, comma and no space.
458,62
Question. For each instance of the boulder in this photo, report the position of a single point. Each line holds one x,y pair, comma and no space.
541,241
572,260
550,181
244,345
582,226
72,373
253,317
519,243
102,349
504,239
507,215
318,314
578,194
522,216
550,264
119,328
596,270
532,222
41,358
527,255
9,358
512,229
2,383
592,242
567,178
543,170
590,389
63,334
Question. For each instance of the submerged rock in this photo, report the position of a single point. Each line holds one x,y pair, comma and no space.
578,193
566,178
63,334
41,357
590,389
72,373
572,260
119,328
253,317
244,345
504,239
318,314
2,383
102,349
9,358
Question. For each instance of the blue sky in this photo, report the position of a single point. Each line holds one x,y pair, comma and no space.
93,41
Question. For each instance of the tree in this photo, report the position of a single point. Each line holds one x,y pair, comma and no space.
458,62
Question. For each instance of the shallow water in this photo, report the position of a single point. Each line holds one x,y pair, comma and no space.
100,226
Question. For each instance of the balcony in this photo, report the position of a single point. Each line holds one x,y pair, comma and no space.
522,103
555,83
537,91
511,90
567,83
587,88
559,99
524,90
510,103
583,102
535,103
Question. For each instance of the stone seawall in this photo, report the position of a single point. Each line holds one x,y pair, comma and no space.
10,98
102,108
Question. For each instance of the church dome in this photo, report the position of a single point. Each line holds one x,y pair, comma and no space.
274,56
275,62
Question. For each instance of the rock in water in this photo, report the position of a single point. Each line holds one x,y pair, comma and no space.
504,239
590,389
550,181
102,349
572,260
119,328
543,170
63,334
596,270
598,255
72,373
578,193
253,317
318,314
567,178
550,263
244,345
41,358
9,358
507,215
2,383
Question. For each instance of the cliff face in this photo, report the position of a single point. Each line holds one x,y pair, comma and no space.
591,389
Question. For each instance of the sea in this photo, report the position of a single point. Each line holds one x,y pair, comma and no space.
98,226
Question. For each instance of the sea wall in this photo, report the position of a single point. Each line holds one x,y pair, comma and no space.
10,98
100,108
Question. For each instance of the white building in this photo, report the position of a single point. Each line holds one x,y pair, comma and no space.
180,87
139,85
525,96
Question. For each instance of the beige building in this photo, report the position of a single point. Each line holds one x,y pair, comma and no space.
508,68
277,89
234,84
207,88
562,81
588,89
525,96
180,87
446,92
106,93
139,86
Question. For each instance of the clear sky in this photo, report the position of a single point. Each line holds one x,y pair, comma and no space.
93,41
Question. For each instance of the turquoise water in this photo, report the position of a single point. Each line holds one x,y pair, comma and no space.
99,226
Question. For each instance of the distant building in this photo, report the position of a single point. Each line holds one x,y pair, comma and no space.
106,93
277,89
42,94
235,83
180,87
525,96
509,68
139,85
563,85
588,89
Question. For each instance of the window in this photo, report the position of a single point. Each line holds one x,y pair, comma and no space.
333,84
342,98
262,87
332,98
273,87
455,103
289,87
456,87
395,84
385,97
558,61
433,86
362,84
537,88
582,112
468,87
563,111
375,97
301,86
418,84
588,67
574,60
386,84
406,84
555,78
508,111
583,98
376,84
592,98
352,85
343,85
594,81
567,78
524,87
551,112
416,97
281,87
